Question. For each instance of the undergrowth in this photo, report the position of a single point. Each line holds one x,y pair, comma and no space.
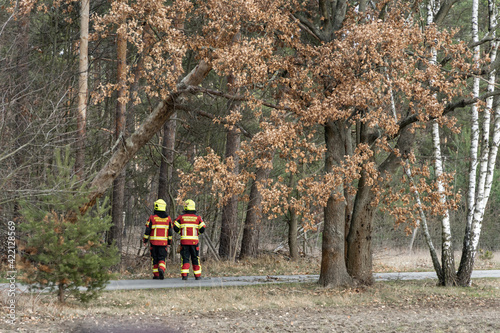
403,294
270,263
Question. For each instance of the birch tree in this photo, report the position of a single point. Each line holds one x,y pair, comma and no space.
81,116
447,276
483,153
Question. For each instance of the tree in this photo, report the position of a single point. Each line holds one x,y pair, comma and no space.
66,251
35,77
166,166
447,272
165,182
345,101
229,226
482,153
254,214
162,85
480,183
116,231
81,113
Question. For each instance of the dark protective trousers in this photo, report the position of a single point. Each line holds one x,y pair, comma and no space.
158,255
190,252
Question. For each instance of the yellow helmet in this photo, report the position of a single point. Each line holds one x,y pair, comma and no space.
160,205
189,205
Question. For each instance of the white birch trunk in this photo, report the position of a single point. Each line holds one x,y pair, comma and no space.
81,114
448,276
495,142
448,262
478,195
471,193
425,229
430,12
484,168
490,158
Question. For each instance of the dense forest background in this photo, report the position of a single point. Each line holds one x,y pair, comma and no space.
207,148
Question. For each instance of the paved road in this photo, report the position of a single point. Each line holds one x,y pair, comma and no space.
253,280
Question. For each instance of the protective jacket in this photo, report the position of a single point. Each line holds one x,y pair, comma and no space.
189,225
158,230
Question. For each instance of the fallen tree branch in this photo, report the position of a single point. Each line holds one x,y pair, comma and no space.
151,125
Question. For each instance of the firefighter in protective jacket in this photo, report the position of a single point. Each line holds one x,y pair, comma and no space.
189,225
159,234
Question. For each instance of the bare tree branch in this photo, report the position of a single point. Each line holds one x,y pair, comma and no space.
308,26
448,109
211,116
194,89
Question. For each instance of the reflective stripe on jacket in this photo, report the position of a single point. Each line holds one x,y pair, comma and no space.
189,225
158,230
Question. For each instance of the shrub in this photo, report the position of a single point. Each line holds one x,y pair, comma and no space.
65,250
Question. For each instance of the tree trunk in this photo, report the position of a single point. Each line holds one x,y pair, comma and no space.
229,226
21,106
423,218
359,239
446,274
479,191
293,223
447,257
251,231
333,271
466,262
168,152
359,253
81,114
116,230
293,246
152,124
471,239
413,237
349,198
167,162
60,292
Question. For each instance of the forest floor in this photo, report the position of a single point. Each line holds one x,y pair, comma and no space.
397,306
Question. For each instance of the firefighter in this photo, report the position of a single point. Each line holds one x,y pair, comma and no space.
159,234
189,225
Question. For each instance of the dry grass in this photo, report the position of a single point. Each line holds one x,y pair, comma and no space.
266,264
384,260
34,309
254,298
390,260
